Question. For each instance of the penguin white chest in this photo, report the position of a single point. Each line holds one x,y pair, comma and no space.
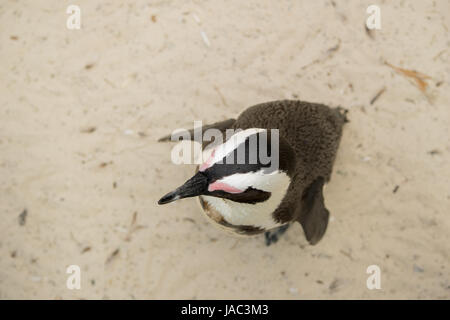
238,218
245,218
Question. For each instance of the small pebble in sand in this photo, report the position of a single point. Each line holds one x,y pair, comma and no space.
334,285
293,291
88,130
433,152
104,164
416,268
86,249
23,217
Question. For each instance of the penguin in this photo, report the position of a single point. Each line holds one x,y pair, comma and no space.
253,197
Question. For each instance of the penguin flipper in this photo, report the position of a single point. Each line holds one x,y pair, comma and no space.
314,215
221,125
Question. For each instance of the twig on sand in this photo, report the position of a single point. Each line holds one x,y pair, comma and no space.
133,227
221,96
375,98
418,77
205,38
396,189
112,256
328,54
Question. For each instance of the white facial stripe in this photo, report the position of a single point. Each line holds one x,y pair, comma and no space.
221,151
258,180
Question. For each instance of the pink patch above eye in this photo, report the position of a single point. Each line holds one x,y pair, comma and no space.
208,162
220,186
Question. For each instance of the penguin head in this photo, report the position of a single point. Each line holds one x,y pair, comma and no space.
250,167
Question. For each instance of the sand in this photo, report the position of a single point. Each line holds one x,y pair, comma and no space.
81,111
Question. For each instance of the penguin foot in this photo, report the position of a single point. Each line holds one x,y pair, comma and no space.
273,235
343,113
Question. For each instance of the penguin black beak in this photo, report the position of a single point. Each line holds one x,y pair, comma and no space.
195,186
